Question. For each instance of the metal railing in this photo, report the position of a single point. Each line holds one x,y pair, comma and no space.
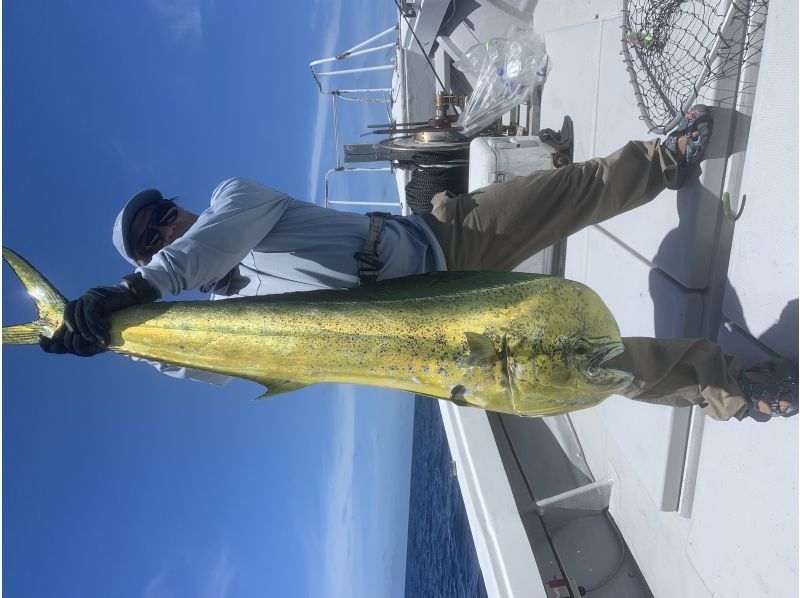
363,95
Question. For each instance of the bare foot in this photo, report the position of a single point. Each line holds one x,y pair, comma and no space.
764,407
771,387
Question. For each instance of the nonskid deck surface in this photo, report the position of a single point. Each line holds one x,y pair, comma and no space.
678,268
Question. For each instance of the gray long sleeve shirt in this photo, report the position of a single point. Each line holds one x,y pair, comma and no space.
253,240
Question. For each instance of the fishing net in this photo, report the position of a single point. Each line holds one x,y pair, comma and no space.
681,52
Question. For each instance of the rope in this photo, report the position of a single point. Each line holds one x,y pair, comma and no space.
433,173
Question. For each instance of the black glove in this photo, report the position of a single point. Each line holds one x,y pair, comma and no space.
67,339
85,330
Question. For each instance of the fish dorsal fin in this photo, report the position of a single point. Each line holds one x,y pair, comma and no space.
418,286
277,387
481,349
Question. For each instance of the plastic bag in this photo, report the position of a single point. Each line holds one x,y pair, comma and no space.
506,70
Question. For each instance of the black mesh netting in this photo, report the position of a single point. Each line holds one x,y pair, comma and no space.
679,51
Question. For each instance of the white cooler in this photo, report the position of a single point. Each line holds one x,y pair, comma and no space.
497,159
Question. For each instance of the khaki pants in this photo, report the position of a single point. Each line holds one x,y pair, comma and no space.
500,226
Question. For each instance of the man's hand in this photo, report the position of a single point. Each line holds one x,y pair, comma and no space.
67,339
85,330
94,307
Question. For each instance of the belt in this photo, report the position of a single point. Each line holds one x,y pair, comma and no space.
368,262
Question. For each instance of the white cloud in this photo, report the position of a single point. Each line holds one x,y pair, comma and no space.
184,17
220,577
157,587
332,562
183,575
317,15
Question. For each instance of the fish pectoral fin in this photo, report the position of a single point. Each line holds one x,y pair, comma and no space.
454,398
457,395
277,387
481,349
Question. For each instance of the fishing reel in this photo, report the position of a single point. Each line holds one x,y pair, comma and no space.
440,136
436,151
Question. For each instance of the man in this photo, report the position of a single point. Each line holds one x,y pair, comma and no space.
253,240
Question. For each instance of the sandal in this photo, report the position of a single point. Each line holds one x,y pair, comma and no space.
771,382
697,119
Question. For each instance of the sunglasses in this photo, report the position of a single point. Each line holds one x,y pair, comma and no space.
150,241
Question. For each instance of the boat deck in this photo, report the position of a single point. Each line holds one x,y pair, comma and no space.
689,491
706,508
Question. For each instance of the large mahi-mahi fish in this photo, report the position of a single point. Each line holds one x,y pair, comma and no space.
504,341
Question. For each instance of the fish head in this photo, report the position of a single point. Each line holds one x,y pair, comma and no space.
561,350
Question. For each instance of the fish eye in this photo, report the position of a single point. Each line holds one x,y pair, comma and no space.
581,348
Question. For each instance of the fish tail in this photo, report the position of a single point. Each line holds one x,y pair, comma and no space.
49,303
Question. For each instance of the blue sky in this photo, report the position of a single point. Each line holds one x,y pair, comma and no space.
119,481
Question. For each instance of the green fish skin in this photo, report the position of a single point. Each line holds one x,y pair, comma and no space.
503,341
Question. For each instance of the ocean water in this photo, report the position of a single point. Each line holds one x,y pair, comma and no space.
441,561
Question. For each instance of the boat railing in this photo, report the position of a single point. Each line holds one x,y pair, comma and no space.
325,82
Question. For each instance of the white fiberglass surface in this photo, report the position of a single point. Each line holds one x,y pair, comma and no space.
745,503
676,231
628,286
762,291
756,463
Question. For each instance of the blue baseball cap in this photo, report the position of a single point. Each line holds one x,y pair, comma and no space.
121,234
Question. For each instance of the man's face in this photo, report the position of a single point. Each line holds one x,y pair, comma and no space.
156,226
